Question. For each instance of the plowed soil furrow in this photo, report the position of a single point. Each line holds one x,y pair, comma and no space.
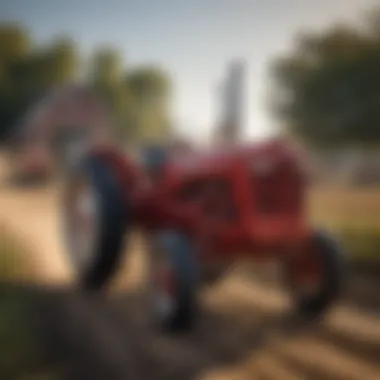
270,366
323,360
119,333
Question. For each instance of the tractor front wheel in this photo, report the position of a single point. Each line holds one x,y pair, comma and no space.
316,276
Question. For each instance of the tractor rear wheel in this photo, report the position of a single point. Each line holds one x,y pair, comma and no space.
95,216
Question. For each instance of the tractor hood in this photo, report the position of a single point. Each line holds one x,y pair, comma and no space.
271,152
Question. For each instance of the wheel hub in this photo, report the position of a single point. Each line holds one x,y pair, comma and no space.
82,223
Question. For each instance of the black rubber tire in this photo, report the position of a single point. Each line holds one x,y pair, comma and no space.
113,221
181,255
333,276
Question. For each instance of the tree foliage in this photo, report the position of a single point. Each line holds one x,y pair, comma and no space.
149,91
137,99
328,88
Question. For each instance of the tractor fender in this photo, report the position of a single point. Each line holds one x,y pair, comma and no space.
126,171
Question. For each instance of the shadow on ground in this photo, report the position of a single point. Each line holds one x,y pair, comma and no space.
110,338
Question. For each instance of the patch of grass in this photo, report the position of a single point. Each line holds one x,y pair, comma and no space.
363,245
16,258
19,355
17,344
10,256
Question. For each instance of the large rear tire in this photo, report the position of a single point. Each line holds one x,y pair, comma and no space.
102,214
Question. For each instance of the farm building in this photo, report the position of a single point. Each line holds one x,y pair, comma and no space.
54,130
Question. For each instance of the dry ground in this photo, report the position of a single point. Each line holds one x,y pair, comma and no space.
243,332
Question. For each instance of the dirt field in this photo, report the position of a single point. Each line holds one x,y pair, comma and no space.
245,330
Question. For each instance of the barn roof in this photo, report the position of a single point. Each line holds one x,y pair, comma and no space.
61,103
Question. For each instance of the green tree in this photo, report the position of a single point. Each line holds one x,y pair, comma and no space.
150,91
28,71
137,99
106,77
328,88
106,67
62,62
15,43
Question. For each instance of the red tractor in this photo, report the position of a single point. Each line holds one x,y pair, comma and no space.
199,209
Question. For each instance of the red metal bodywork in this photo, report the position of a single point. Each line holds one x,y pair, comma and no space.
244,200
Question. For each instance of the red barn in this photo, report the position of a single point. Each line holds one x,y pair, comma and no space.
57,128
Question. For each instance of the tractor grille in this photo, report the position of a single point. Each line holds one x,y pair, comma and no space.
215,195
278,192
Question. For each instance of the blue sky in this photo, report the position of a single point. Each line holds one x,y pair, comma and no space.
193,39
